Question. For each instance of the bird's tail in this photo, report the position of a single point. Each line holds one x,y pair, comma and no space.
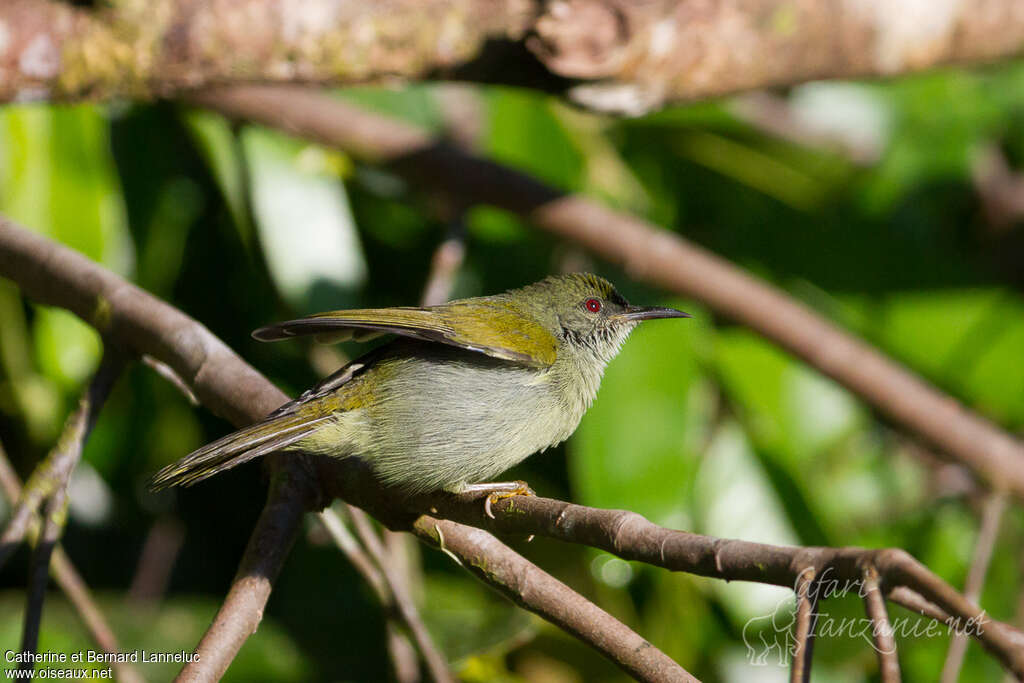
273,433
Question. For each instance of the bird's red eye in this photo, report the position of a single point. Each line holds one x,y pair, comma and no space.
593,305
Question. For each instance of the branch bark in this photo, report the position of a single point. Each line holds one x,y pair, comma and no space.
634,538
881,628
613,55
650,254
531,588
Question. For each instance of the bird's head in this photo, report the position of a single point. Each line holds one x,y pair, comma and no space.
586,313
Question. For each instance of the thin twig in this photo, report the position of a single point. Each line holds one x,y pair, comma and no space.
437,666
881,628
70,581
803,627
54,470
348,545
444,266
39,572
168,373
528,586
159,552
995,506
403,655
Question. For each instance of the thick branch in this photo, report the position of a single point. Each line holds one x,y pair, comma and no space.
650,254
644,54
53,50
620,55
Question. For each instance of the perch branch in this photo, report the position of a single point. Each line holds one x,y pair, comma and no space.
634,538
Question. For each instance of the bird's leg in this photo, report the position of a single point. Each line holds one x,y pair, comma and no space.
497,490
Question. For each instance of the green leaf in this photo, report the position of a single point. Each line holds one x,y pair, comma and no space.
468,620
526,134
57,176
175,625
787,407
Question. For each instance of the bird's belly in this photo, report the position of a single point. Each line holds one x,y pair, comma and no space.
443,425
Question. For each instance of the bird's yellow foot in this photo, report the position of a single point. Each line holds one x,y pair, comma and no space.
498,490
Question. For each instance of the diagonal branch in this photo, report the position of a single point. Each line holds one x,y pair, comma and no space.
992,514
52,476
69,580
649,254
528,586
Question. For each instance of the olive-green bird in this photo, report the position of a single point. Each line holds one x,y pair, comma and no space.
469,389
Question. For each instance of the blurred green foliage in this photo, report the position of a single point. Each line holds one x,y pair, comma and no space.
702,426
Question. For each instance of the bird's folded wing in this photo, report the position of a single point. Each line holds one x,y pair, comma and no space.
484,327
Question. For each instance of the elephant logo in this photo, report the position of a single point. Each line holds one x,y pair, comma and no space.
771,632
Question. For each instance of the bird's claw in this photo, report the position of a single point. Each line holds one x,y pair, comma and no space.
521,488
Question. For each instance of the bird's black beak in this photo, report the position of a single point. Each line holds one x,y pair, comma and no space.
639,313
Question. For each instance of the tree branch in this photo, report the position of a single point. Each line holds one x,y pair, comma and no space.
881,628
613,55
649,254
50,479
632,537
531,588
992,514
70,581
401,599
